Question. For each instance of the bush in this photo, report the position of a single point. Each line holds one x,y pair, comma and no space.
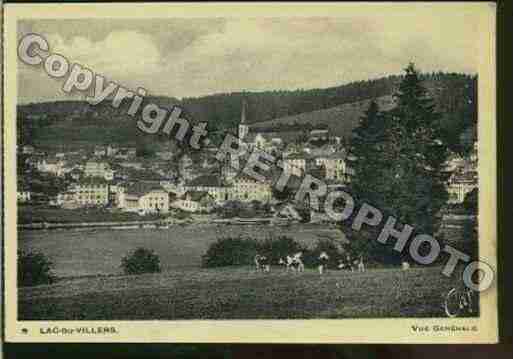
230,251
238,251
470,201
364,243
140,261
33,269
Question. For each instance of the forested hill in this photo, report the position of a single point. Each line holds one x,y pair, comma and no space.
78,123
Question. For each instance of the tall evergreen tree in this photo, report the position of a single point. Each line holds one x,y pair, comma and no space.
420,152
365,149
400,157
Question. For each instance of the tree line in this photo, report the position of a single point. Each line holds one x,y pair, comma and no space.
454,96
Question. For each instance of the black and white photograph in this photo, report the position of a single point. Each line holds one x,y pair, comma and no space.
270,165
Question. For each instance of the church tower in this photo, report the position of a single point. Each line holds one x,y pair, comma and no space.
243,127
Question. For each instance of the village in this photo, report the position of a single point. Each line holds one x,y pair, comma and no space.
170,183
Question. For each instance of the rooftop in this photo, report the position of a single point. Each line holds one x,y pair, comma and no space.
206,181
142,188
196,195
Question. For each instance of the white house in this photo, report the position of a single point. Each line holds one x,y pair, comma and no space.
23,196
194,201
335,166
316,135
90,192
247,189
295,165
100,151
186,205
460,184
28,150
51,165
211,184
144,198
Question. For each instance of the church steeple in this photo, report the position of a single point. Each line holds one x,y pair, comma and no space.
243,127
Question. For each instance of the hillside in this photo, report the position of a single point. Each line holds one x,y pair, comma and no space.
74,123
340,120
241,293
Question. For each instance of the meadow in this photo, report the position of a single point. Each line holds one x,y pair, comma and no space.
241,293
85,252
92,287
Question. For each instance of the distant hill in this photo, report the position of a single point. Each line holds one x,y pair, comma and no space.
339,120
66,124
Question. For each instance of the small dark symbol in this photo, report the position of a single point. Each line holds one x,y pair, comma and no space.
24,331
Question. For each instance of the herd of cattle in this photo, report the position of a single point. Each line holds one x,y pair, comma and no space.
294,263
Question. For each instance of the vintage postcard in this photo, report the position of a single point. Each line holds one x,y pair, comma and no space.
267,172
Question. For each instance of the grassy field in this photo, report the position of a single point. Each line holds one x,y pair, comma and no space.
36,214
82,252
241,293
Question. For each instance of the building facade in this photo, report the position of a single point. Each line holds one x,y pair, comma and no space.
93,192
335,167
143,198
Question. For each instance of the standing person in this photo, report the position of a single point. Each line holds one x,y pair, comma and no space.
257,262
361,265
323,262
349,262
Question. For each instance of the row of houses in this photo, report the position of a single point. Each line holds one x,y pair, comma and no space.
202,193
60,168
334,165
329,157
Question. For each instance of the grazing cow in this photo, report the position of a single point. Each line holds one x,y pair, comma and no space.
341,264
257,262
405,265
293,262
350,264
345,263
264,264
297,262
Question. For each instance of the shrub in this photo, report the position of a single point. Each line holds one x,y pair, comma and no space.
140,261
238,251
34,268
470,201
230,251
364,243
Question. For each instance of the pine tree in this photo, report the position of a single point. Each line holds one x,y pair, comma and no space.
417,190
366,150
400,156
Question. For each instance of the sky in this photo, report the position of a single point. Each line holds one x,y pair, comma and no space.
182,57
